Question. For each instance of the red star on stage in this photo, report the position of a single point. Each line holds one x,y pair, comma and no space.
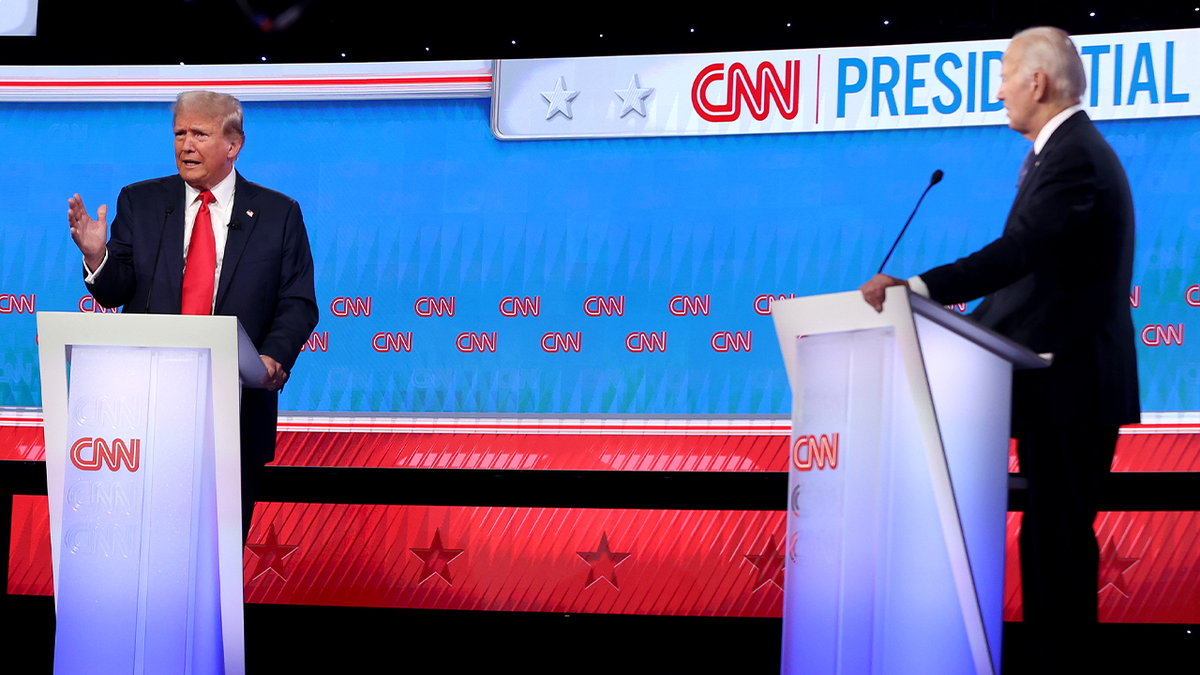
436,559
603,563
271,555
769,564
1112,568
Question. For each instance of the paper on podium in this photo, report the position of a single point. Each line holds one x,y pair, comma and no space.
251,369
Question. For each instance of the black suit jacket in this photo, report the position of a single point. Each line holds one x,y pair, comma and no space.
1058,280
266,276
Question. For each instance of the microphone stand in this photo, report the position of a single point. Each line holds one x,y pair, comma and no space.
933,180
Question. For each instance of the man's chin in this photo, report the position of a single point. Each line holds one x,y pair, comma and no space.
193,178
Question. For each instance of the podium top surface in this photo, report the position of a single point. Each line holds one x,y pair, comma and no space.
841,312
154,330
1019,355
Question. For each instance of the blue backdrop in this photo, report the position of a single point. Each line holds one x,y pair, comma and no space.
415,199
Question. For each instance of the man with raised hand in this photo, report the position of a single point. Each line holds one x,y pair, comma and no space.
207,241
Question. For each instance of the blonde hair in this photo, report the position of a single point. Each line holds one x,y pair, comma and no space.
1052,51
213,104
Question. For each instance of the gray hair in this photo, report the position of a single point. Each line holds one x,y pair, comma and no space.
215,105
1052,51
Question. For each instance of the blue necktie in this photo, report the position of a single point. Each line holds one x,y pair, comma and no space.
1025,166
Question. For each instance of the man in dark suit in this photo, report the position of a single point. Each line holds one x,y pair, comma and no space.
1057,280
207,241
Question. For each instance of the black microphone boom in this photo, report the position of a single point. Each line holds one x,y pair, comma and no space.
933,180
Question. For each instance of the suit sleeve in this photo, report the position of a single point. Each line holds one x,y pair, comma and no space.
115,284
1054,214
296,305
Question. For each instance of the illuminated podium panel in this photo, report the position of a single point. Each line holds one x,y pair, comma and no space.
144,482
898,486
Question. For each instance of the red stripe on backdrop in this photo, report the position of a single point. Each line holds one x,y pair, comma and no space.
29,566
22,443
470,426
617,561
1149,567
678,562
546,452
1157,452
1013,610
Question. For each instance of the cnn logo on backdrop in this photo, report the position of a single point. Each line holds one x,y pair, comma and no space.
755,92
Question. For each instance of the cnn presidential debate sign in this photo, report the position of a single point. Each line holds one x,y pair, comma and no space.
603,235
1133,75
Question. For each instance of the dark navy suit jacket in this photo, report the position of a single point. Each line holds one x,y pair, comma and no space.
266,277
1057,280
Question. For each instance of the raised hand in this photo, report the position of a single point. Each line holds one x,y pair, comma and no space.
89,235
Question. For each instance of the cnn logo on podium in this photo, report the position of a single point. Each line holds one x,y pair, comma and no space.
90,453
809,452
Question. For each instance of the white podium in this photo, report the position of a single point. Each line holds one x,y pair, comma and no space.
144,481
897,486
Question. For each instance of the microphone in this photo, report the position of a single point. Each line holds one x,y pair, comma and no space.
161,232
933,180
235,225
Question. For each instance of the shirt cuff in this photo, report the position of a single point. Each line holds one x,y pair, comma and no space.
90,277
917,285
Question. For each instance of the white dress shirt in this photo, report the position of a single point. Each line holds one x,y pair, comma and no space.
915,283
1052,126
220,211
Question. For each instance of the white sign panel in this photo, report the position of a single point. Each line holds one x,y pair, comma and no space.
1130,75
18,17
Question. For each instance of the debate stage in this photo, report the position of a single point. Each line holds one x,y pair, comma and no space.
348,581
542,422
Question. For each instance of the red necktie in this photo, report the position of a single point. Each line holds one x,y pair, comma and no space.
201,264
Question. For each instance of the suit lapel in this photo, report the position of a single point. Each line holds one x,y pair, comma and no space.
1031,178
171,258
242,220
1063,131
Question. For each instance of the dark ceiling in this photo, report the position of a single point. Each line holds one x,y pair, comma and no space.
245,31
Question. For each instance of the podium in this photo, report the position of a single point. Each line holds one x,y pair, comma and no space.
897,486
141,416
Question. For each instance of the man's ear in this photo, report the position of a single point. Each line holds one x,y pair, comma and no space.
1041,84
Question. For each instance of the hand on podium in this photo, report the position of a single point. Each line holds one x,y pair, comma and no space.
873,291
90,235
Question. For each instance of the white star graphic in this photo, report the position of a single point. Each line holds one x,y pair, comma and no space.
634,97
559,99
